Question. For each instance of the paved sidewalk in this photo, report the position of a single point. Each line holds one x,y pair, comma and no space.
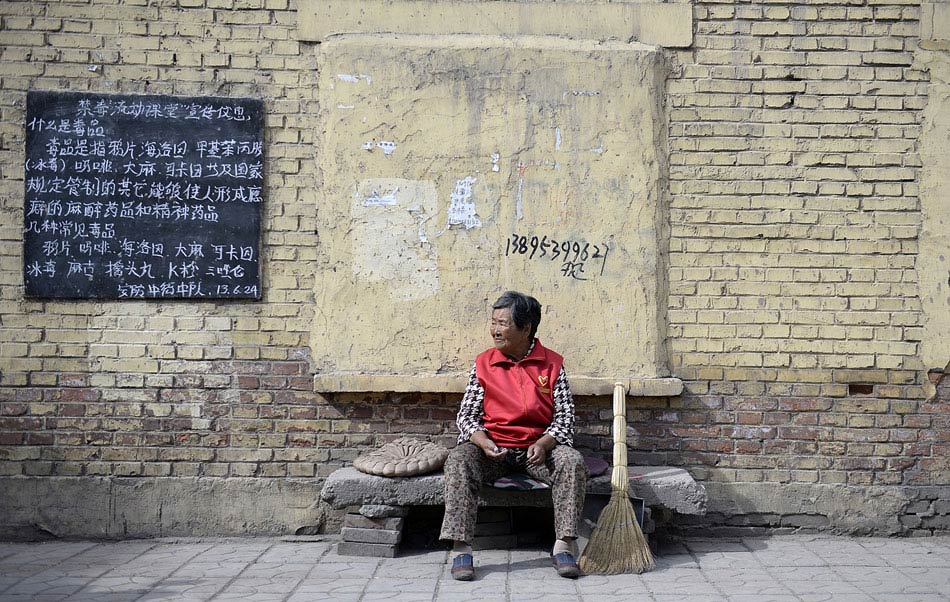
802,568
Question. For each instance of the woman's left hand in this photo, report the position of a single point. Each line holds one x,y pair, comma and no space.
536,454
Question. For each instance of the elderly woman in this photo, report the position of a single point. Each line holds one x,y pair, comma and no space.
517,414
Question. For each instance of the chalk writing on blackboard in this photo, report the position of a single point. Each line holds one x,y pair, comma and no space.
574,255
142,196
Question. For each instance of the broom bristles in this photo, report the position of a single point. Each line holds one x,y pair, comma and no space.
617,544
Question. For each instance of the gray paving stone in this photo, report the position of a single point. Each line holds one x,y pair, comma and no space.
210,570
305,552
308,597
837,569
885,581
940,579
97,596
698,546
230,596
397,597
44,554
742,581
678,581
727,560
930,558
344,570
392,583
9,580
413,557
331,587
334,556
471,596
613,597
155,571
912,598
256,585
826,597
388,567
541,595
792,556
608,585
187,589
229,554
48,583
554,585
277,570
686,597
734,597
490,587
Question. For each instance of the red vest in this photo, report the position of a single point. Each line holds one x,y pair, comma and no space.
519,396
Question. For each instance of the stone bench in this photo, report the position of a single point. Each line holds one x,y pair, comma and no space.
384,502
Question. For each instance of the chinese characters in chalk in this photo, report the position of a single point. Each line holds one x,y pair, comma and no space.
142,196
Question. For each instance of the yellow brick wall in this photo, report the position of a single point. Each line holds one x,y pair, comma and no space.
794,315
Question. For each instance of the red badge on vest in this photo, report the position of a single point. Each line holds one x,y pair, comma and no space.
543,380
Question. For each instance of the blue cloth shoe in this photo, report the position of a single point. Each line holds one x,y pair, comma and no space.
566,565
463,568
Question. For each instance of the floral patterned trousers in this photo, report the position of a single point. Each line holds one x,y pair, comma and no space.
467,468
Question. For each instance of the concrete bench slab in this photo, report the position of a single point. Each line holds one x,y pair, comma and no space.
665,486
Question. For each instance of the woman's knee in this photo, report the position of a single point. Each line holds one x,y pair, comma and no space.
462,459
568,457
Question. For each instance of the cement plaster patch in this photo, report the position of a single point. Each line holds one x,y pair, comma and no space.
456,167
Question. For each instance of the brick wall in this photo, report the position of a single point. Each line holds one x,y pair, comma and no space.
793,309
795,214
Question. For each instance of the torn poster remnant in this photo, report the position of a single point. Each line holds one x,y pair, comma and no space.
462,208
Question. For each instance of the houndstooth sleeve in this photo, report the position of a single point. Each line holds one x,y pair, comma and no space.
471,410
562,425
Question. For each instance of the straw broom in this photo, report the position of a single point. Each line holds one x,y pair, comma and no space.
617,544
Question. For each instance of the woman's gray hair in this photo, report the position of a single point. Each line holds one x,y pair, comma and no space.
525,310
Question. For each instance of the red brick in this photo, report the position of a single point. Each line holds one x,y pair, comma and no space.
7,438
287,368
14,409
248,382
21,424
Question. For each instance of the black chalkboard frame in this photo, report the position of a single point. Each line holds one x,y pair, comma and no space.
142,197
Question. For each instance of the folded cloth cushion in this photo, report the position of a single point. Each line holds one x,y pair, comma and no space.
519,482
404,457
596,466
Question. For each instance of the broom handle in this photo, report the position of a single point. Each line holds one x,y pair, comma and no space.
618,477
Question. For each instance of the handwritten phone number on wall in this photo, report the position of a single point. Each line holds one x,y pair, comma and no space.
575,256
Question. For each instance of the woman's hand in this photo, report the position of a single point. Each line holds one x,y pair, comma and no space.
536,455
482,440
538,451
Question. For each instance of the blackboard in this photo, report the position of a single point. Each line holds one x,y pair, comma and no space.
142,197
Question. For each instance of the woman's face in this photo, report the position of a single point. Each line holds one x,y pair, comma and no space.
509,339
